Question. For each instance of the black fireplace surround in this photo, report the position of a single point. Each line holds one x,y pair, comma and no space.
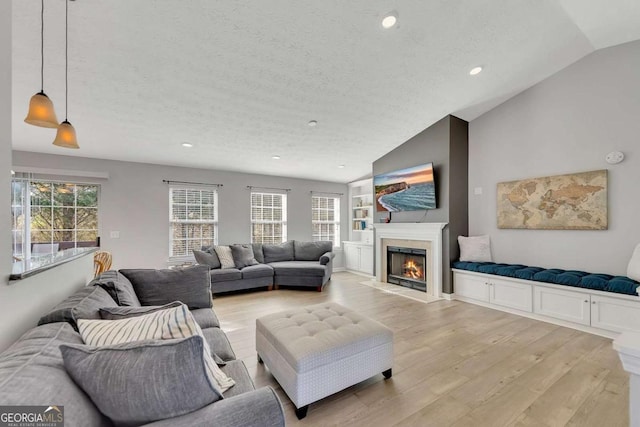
407,267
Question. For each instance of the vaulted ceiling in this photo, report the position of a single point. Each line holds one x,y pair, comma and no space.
241,79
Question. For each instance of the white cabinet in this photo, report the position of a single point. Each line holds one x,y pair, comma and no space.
564,305
473,287
359,257
511,294
598,312
614,314
495,291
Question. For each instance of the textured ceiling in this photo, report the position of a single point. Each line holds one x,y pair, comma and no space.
241,79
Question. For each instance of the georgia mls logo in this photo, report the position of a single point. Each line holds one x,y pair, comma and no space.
32,416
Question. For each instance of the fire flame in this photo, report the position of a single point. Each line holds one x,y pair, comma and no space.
412,270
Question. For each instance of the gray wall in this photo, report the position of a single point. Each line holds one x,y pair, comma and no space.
567,123
445,145
5,142
135,202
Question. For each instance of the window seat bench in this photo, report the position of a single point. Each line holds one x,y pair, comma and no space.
597,303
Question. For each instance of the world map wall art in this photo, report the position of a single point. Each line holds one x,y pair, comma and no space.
562,202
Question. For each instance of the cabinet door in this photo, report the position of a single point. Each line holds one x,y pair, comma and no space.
614,314
352,257
511,294
561,304
366,259
473,287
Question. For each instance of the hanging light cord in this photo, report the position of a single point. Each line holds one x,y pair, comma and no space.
66,60
42,48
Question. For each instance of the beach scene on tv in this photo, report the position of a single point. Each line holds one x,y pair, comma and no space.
410,189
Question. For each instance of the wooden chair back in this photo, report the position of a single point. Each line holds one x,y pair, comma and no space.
101,262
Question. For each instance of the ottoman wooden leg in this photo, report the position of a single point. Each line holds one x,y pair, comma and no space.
276,287
387,374
319,289
260,361
302,412
270,287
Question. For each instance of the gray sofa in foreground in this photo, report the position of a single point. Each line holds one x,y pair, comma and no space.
294,263
32,370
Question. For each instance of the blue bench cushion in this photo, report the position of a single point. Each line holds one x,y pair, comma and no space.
579,279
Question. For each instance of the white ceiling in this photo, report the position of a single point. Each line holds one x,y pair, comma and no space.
240,79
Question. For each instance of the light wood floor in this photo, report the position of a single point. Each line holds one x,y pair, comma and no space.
455,364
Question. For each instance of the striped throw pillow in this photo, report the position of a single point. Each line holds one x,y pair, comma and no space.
226,256
172,323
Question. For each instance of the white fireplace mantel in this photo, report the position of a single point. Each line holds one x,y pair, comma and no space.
420,231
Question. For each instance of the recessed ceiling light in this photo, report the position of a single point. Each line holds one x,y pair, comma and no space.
389,21
275,157
187,145
341,166
475,71
313,123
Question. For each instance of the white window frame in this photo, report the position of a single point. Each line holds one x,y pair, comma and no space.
335,223
255,221
185,221
26,229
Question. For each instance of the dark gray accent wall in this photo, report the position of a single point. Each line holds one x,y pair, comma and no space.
445,144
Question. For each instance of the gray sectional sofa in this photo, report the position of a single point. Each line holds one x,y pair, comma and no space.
294,263
32,371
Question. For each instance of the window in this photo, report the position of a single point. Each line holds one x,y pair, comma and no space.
268,218
193,214
50,216
325,218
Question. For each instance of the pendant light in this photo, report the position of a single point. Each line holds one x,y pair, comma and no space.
41,112
66,136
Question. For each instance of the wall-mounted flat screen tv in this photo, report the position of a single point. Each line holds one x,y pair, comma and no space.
410,189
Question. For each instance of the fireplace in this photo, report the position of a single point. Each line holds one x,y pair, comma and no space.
407,267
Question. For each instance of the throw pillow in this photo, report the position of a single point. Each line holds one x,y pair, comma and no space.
277,253
191,286
226,256
633,269
83,304
475,249
141,382
117,313
243,256
118,286
167,324
207,258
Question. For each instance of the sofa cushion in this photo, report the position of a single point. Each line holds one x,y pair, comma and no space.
238,371
633,269
169,324
178,385
310,251
472,266
225,275
548,276
257,252
623,285
595,281
277,253
254,271
118,286
206,318
298,268
118,313
219,344
209,258
570,278
488,268
32,373
225,255
510,270
191,286
83,304
527,273
243,256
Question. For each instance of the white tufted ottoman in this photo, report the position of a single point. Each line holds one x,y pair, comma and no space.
318,350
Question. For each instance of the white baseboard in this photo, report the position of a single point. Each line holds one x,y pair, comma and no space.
448,297
339,269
